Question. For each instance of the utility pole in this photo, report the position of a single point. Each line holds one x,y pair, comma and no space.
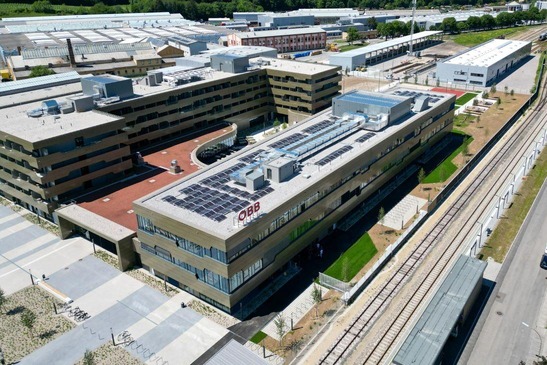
412,26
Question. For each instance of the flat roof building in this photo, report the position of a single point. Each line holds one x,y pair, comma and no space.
223,231
429,20
60,141
381,51
278,21
447,310
483,64
284,40
119,59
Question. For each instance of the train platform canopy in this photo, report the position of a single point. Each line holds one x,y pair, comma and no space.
425,343
357,56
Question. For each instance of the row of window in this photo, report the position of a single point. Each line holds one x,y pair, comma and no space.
207,276
146,225
297,209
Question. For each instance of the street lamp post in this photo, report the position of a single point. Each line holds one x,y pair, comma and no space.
537,333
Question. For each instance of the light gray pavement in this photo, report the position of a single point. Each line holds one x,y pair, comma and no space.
500,336
24,247
117,302
163,331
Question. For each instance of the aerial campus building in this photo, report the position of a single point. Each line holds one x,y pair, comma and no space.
285,40
225,230
383,51
483,64
57,142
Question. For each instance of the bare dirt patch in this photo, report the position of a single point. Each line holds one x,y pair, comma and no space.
361,83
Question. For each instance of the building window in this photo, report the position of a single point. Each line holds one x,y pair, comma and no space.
145,224
477,75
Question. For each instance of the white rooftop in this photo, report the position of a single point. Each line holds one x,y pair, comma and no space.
379,46
335,141
279,33
487,53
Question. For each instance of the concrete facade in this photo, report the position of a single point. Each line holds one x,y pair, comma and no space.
219,237
483,64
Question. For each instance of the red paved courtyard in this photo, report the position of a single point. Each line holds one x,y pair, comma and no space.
115,202
458,93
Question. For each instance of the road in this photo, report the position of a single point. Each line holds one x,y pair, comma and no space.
518,298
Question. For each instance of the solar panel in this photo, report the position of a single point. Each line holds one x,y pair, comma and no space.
332,156
250,157
364,137
287,140
317,127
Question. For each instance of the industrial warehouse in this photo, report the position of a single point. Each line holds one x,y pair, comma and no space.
485,63
223,231
382,51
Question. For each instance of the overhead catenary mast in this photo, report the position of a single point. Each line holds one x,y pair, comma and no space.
412,26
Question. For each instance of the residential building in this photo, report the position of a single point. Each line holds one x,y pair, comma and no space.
483,64
286,40
224,231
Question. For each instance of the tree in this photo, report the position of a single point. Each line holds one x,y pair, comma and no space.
493,89
353,35
42,6
498,102
488,21
28,318
372,23
89,358
381,215
421,176
3,299
38,71
449,25
465,149
317,297
512,92
280,327
506,89
462,27
474,22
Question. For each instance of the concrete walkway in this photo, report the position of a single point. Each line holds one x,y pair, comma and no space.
26,248
296,310
400,214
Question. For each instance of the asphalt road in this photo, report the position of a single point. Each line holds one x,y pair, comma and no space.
518,298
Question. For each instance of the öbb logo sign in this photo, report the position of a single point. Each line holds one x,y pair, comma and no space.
249,211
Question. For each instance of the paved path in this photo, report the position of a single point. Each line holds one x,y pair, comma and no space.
24,247
518,297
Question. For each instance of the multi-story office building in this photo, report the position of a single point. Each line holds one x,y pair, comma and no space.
223,231
286,40
61,141
483,64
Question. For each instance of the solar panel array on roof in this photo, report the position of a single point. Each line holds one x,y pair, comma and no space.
318,126
250,157
212,198
365,137
84,49
287,140
332,156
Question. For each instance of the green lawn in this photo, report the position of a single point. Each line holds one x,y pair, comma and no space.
446,168
259,336
351,47
465,98
462,120
353,259
474,38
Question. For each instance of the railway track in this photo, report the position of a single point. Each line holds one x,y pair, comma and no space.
375,352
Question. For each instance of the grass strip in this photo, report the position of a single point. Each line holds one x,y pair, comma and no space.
258,337
502,237
446,168
353,259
